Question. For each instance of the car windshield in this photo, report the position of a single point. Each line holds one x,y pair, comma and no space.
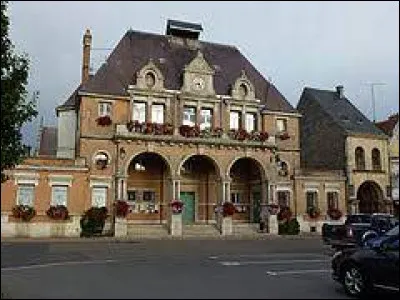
394,231
354,219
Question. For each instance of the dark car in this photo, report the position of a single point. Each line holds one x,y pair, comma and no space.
373,267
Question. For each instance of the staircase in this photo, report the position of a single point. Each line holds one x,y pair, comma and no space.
200,230
147,231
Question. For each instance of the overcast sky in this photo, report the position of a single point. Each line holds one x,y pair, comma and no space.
294,44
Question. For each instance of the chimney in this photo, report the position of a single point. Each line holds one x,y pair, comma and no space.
339,91
87,42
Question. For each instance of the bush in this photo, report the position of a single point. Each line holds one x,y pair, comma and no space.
290,227
284,214
93,221
228,209
121,209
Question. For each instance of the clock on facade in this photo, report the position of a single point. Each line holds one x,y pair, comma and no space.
198,83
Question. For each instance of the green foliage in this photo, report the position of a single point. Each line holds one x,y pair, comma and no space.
15,108
93,221
290,227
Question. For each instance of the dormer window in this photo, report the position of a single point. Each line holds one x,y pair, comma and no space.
150,79
243,91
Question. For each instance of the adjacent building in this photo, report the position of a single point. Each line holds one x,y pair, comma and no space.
336,135
169,117
391,128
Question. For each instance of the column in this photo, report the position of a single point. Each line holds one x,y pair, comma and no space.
176,219
228,191
243,118
264,192
259,122
148,110
273,227
226,226
198,110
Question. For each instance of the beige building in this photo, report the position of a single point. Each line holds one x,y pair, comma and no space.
168,117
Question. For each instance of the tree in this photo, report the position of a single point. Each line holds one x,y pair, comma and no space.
15,108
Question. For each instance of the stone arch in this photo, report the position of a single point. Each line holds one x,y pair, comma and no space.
218,168
263,170
370,195
133,156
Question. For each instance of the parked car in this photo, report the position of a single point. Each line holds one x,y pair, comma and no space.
372,267
355,226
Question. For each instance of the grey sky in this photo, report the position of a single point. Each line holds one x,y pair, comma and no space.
295,44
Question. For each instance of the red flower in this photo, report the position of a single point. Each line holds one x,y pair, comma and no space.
228,209
23,212
177,206
58,212
104,121
121,209
284,136
284,214
334,213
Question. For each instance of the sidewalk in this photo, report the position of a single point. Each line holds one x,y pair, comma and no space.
255,236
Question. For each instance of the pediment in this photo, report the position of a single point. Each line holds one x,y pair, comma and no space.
199,65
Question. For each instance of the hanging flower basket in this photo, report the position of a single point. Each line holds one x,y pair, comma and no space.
273,208
228,209
334,213
23,212
284,214
104,121
313,212
58,212
121,209
177,207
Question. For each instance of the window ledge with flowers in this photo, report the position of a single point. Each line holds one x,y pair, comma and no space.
313,213
334,213
58,212
150,128
23,212
284,135
104,120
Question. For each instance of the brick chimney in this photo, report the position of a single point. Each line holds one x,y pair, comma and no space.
339,91
87,43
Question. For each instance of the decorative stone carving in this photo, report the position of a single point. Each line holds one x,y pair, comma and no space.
150,77
243,89
198,76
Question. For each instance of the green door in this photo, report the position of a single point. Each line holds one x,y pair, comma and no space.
188,207
256,206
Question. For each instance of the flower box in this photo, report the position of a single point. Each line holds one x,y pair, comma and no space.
313,212
121,209
189,131
23,212
334,213
228,209
284,214
58,212
284,136
104,121
176,207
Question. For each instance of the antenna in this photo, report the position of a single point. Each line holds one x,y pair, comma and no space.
372,85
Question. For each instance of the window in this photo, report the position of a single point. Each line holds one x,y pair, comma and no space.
157,113
132,197
99,196
206,116
312,199
139,112
149,196
234,118
360,158
150,79
59,195
26,194
242,91
104,109
376,159
101,160
189,116
283,198
250,122
235,198
333,200
281,125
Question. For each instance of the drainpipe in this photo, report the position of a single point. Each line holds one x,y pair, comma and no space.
116,186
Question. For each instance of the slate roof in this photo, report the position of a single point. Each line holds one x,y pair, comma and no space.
48,141
342,111
136,48
388,125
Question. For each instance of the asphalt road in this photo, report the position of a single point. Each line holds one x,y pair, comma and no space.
168,269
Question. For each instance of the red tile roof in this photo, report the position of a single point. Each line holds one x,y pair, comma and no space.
388,125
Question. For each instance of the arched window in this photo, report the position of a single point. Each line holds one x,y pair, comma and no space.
101,160
360,158
376,159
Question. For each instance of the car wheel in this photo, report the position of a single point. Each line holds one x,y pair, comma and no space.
354,281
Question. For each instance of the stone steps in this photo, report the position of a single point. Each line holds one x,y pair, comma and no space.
200,230
245,229
147,230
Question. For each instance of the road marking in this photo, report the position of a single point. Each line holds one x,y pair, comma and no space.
271,262
213,257
294,272
65,263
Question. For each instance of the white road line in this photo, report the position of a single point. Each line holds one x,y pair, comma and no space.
277,273
65,263
271,262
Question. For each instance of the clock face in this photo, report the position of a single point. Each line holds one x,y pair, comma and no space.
198,83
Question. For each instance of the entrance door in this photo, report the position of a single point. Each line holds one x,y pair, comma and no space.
188,207
256,206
